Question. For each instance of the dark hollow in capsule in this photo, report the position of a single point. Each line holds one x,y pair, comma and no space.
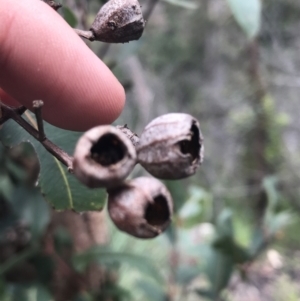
192,146
103,157
108,150
171,146
157,213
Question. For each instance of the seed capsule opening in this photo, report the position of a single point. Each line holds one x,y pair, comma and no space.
103,157
158,213
193,145
141,207
108,150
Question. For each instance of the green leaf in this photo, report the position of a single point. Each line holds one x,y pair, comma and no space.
230,248
258,243
269,185
171,234
183,3
225,241
219,268
60,188
42,294
69,16
114,292
44,266
6,185
32,208
62,240
103,256
186,273
205,293
83,296
30,293
279,221
16,172
178,192
5,294
272,224
224,224
19,293
247,14
196,208
8,218
151,291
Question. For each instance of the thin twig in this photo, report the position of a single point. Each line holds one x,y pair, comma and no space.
37,106
5,115
61,155
87,34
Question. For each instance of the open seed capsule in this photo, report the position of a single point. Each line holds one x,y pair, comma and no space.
170,146
142,207
103,157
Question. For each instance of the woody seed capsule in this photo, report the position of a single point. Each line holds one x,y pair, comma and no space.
118,21
141,207
170,146
103,157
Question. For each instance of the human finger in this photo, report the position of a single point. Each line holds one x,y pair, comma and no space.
41,57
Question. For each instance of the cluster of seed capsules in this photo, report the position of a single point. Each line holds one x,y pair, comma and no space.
170,147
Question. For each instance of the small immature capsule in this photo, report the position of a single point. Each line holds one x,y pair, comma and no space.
103,157
170,146
142,207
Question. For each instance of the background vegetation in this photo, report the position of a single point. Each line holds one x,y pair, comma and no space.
234,65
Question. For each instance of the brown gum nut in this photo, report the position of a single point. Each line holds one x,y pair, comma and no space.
142,207
171,146
118,21
103,157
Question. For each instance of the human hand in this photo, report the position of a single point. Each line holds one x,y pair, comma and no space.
41,57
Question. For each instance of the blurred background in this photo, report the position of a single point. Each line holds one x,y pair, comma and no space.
236,67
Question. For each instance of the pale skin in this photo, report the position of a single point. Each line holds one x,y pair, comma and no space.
41,57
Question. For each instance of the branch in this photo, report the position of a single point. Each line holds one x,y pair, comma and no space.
15,114
87,34
5,115
37,106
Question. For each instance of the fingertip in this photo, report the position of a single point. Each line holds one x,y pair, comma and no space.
118,102
7,99
44,59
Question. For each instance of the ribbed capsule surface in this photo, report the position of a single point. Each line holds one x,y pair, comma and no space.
142,207
118,21
171,146
103,157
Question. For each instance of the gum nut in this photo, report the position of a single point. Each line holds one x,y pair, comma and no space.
142,207
171,146
103,157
